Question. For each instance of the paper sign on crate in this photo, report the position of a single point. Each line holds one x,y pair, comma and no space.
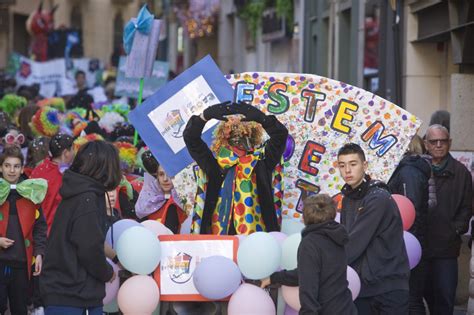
180,255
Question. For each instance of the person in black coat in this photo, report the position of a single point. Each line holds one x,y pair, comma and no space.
239,140
446,222
75,268
322,263
410,179
376,249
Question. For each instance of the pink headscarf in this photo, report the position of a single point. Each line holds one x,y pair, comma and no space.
152,197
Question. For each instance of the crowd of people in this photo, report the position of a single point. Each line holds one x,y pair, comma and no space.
70,169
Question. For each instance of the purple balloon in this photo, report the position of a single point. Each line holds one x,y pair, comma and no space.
290,311
279,236
216,277
289,149
413,248
353,282
186,225
118,228
111,288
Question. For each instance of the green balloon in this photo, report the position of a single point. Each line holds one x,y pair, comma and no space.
289,251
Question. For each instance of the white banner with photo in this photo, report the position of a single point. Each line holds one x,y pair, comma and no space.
180,255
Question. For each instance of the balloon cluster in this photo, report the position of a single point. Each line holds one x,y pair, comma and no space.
215,277
408,214
259,255
139,251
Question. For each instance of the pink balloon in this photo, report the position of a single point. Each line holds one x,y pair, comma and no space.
156,227
111,288
413,248
407,210
354,282
291,295
138,295
250,299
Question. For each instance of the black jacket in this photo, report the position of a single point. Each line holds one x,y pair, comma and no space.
376,249
411,180
75,270
322,271
203,156
449,219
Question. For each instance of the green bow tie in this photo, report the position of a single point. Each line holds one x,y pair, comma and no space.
31,189
129,189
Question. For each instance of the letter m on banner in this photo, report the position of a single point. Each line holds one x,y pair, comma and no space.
374,134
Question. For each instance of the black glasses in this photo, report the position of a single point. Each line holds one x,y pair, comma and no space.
438,141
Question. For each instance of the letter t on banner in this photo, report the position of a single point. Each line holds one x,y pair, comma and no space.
140,41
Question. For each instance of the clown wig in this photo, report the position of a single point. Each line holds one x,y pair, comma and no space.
10,103
45,122
127,154
84,139
234,127
54,102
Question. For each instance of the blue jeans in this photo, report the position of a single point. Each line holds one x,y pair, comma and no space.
67,310
440,286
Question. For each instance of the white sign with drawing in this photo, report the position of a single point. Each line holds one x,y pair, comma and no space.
180,258
172,116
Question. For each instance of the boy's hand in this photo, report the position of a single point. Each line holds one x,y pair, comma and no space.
6,242
265,283
114,275
38,265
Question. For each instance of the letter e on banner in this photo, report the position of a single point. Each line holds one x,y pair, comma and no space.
310,157
343,115
243,92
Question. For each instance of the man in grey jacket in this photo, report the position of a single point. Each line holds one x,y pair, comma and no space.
446,222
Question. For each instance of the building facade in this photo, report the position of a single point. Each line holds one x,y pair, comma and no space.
101,23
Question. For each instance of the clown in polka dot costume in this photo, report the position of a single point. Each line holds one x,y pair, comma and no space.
236,176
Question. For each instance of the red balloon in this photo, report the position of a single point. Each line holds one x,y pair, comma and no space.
407,210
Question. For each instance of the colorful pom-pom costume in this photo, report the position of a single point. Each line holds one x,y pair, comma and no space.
45,122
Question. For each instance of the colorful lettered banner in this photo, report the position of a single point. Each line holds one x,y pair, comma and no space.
321,115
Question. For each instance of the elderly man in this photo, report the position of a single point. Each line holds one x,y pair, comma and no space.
446,222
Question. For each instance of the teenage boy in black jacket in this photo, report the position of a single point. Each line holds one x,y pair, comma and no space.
322,268
376,249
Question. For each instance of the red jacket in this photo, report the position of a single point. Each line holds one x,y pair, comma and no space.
27,214
161,214
49,170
